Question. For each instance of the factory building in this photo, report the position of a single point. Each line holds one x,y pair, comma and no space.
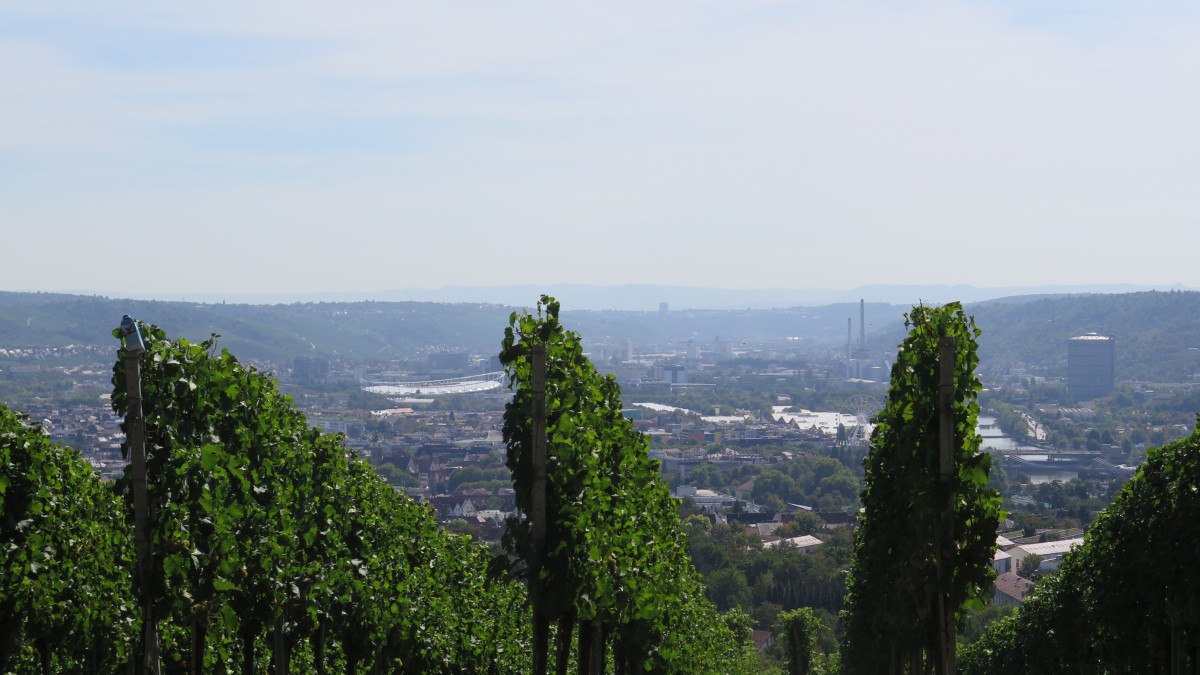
1091,371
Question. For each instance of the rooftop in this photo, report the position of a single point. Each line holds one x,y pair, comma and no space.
805,541
1091,336
1013,586
1051,547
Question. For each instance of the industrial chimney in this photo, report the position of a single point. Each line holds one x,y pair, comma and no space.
862,324
849,336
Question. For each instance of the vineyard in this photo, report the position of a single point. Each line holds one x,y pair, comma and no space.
276,549
258,544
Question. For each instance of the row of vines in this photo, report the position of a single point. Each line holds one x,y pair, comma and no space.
276,549
614,571
66,601
1125,601
1128,599
923,538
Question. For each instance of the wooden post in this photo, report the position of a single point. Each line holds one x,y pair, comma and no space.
135,426
537,516
946,448
595,648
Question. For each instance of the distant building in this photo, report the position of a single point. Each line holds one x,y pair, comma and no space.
1091,371
704,499
674,374
1011,589
310,369
1002,562
1050,552
762,639
448,361
805,543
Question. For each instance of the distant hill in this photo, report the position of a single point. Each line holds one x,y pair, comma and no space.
646,297
278,333
1158,333
386,330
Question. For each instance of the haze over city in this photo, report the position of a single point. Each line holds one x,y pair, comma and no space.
302,148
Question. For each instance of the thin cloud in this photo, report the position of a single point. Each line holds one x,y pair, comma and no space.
738,145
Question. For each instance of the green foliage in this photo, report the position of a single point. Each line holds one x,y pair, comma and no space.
799,629
1029,566
1128,599
65,597
739,573
894,582
268,536
813,480
975,620
395,475
1011,422
803,522
614,554
472,474
728,589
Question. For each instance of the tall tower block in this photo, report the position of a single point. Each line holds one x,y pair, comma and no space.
1091,361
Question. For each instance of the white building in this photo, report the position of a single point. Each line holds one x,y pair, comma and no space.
805,544
1051,552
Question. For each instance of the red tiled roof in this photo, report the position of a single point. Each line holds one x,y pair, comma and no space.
1013,586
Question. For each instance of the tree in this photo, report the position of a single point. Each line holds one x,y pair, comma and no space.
728,589
803,522
902,566
773,482
1029,566
840,486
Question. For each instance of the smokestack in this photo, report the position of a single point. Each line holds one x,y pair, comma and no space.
862,324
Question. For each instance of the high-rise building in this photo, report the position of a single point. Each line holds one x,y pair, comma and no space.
310,369
1091,361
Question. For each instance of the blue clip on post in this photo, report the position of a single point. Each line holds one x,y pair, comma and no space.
132,335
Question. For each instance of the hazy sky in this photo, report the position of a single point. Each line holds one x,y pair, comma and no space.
172,147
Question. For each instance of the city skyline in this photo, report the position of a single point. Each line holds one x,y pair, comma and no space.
292,149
